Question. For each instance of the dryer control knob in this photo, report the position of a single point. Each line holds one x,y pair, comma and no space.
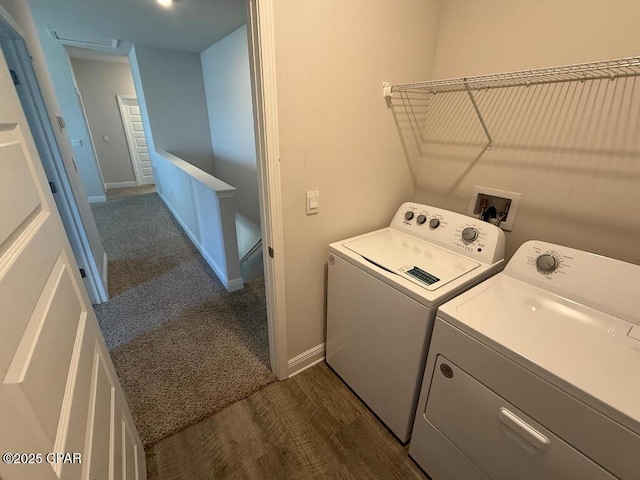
547,263
434,222
469,234
421,219
408,215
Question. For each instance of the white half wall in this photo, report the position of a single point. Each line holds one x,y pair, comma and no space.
227,83
99,83
170,86
204,207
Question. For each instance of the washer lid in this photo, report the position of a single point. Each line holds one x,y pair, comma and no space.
591,354
423,263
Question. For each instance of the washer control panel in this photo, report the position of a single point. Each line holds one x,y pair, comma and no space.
469,234
454,231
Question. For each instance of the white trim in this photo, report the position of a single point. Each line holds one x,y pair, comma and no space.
11,24
136,172
305,360
105,271
121,185
85,118
231,285
221,189
265,111
98,199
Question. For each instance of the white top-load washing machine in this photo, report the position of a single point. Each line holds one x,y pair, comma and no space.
384,289
535,373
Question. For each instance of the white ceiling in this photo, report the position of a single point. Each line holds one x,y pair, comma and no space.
188,25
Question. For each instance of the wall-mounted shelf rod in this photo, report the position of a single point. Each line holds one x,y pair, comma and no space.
612,69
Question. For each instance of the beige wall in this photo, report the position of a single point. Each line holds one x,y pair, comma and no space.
336,133
171,95
572,150
493,36
99,84
227,84
61,77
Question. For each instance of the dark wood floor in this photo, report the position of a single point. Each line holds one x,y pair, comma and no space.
310,426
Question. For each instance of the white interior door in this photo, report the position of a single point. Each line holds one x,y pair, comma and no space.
132,121
58,389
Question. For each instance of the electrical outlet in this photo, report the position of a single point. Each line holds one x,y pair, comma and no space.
495,206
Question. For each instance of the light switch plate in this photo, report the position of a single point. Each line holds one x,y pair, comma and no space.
313,202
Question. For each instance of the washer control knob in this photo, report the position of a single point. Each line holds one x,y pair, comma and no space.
469,234
421,219
434,222
547,263
408,215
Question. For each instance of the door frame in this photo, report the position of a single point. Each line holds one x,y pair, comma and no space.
18,59
121,106
261,42
260,33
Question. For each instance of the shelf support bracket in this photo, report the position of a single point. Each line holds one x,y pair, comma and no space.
479,114
387,93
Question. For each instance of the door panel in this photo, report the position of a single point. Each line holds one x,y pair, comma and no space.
134,129
41,365
100,449
18,193
58,388
78,409
24,269
118,444
130,454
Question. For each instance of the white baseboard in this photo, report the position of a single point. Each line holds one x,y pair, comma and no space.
306,360
235,284
231,285
120,185
98,199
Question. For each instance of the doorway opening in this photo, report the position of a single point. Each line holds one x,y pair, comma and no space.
255,248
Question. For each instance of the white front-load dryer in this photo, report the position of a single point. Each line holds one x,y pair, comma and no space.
384,288
535,373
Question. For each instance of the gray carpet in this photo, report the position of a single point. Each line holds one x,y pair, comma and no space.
183,347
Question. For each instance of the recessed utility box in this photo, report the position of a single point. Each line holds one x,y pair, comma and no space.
495,206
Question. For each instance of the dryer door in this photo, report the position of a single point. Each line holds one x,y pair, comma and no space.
503,441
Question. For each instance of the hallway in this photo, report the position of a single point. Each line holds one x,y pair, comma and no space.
182,345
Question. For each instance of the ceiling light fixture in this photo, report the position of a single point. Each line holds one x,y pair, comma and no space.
165,3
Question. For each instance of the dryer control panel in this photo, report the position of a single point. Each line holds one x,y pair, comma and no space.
603,283
454,231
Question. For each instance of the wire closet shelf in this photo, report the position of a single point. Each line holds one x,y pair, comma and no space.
611,69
